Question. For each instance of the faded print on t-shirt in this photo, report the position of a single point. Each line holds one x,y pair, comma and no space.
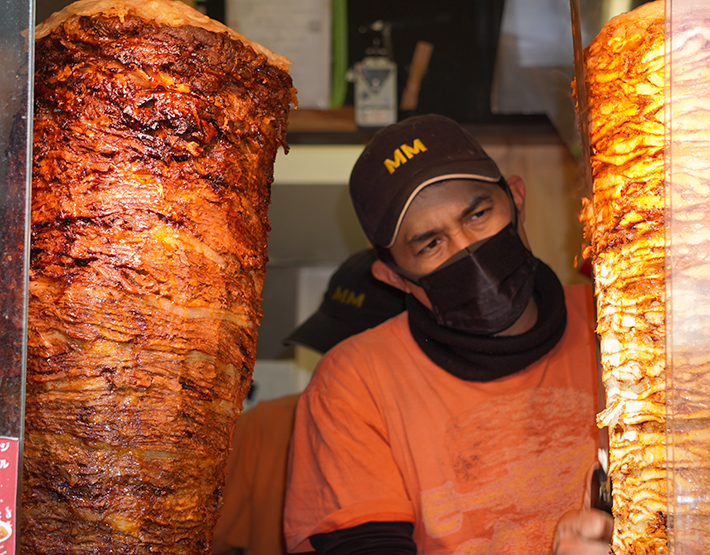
519,464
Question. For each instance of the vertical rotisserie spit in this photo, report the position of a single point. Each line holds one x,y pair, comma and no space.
155,135
625,227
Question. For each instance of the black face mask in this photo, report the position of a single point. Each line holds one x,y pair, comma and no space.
484,288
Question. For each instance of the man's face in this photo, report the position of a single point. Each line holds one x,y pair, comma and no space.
445,218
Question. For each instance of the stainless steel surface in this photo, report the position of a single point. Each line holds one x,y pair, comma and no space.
581,91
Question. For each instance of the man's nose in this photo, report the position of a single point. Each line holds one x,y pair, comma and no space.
466,237
462,240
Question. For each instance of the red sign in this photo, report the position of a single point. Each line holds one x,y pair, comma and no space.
8,493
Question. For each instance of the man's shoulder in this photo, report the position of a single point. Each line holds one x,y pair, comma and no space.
579,299
367,354
375,339
578,289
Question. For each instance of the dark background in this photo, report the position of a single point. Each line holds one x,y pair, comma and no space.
464,34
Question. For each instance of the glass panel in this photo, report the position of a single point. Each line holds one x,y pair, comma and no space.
16,70
688,275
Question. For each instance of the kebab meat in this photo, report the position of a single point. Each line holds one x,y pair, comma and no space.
625,228
155,135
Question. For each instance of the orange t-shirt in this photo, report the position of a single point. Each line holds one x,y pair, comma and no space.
383,434
251,516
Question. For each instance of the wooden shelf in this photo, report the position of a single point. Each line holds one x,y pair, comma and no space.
340,120
312,126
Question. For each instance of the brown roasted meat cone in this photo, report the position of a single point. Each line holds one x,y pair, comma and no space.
155,135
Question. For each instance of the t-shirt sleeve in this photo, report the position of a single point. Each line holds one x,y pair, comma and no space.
234,523
342,471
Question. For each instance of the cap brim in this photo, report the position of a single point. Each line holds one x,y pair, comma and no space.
320,333
456,170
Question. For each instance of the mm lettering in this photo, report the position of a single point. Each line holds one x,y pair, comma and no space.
404,153
346,296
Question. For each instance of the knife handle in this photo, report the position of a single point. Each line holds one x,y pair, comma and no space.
601,491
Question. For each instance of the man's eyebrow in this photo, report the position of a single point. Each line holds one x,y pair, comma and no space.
429,233
424,236
475,203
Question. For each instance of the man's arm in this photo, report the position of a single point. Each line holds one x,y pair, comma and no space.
342,469
371,538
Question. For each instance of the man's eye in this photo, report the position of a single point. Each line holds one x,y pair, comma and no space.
478,214
430,245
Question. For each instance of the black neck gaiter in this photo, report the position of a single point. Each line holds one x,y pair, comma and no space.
484,358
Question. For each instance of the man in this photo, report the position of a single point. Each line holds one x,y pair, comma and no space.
251,517
466,424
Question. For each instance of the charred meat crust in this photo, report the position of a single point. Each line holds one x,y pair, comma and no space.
153,159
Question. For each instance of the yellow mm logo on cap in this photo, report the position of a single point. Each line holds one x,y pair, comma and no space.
404,153
346,296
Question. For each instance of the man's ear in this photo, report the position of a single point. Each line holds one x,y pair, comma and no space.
384,273
517,189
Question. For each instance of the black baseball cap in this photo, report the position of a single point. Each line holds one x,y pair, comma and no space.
354,302
405,157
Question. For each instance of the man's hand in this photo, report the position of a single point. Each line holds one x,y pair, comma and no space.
583,532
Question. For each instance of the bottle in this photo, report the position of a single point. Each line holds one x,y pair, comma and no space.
376,83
